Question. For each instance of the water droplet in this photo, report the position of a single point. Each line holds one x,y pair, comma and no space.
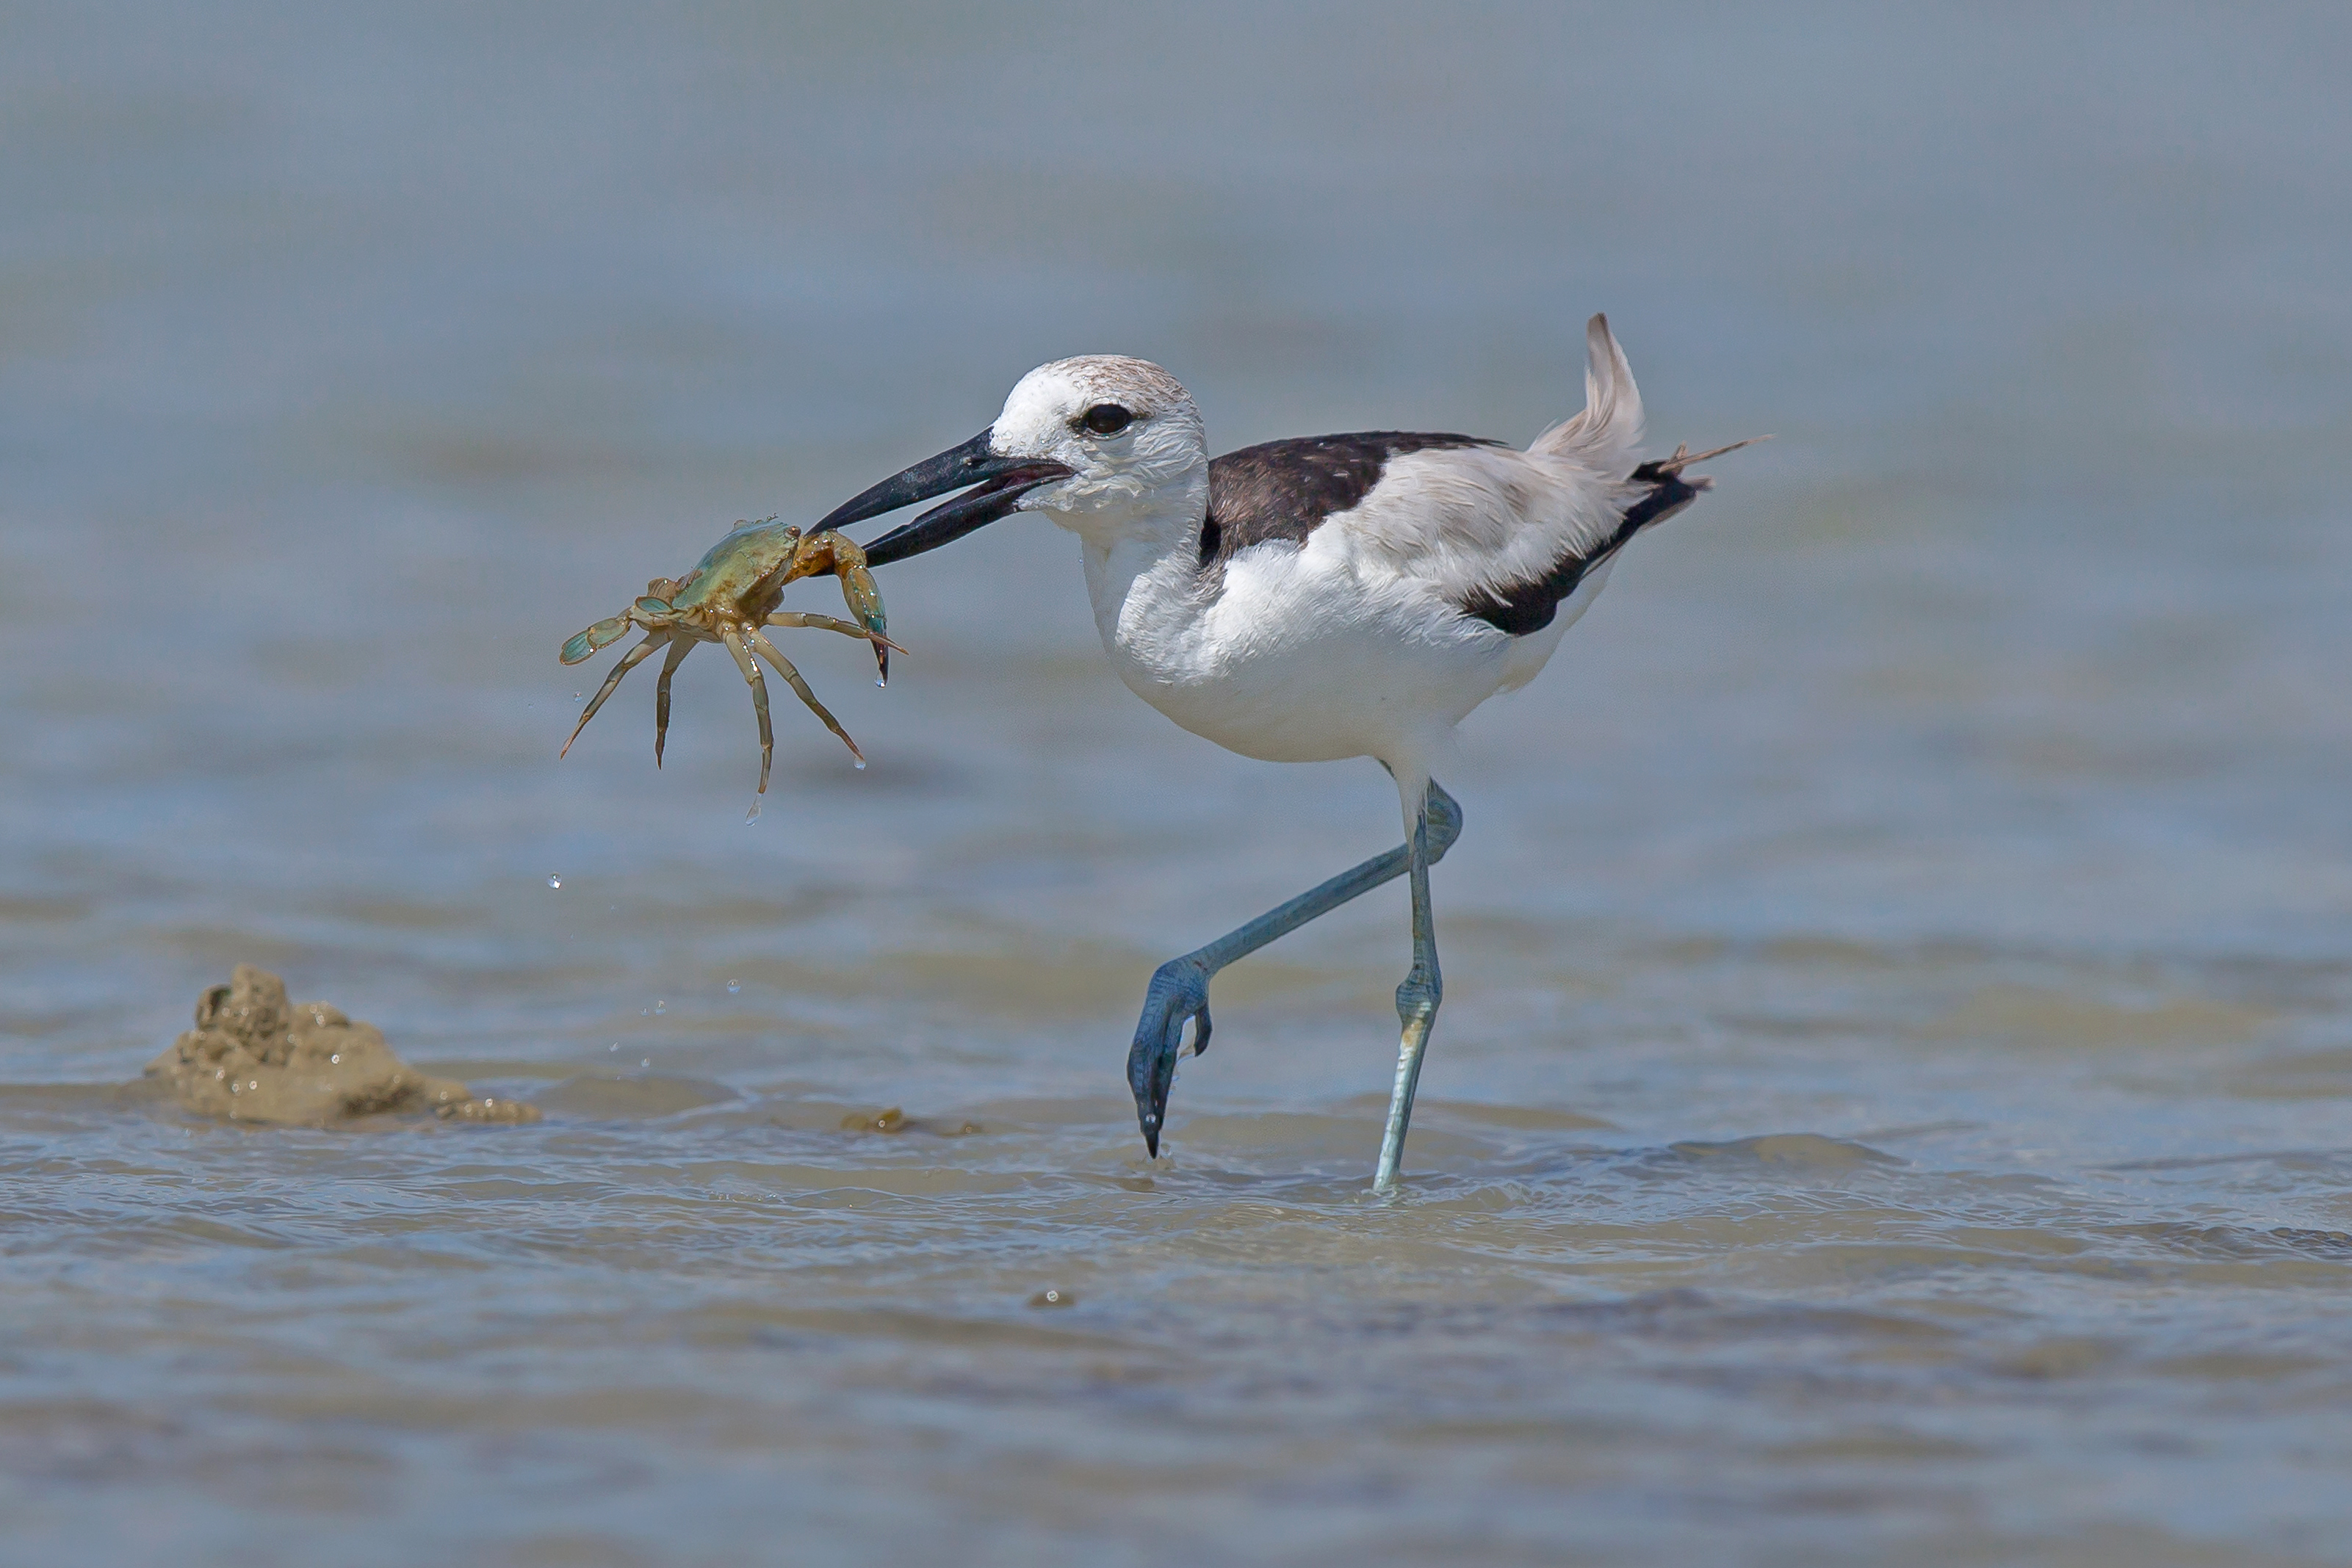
1052,1296
645,1013
614,1046
752,815
648,1061
734,987
553,880
576,696
861,764
660,1006
336,1060
885,684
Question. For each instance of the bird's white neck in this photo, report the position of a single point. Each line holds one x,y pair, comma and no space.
1143,578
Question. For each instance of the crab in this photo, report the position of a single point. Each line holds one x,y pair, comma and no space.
729,596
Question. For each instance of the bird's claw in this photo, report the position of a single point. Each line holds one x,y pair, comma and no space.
1179,991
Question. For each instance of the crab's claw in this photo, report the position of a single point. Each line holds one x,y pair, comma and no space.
848,561
586,643
866,602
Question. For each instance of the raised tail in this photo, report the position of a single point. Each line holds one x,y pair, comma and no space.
1604,438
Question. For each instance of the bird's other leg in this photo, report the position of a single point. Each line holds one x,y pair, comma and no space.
680,646
1180,988
759,704
1416,1001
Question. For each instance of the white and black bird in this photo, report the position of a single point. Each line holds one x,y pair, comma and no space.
1304,600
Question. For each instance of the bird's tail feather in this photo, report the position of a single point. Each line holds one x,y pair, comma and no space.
1604,437
1664,468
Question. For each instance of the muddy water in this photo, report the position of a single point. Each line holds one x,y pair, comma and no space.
1894,1098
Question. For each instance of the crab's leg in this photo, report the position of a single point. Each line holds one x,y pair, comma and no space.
680,646
629,660
784,668
734,640
830,624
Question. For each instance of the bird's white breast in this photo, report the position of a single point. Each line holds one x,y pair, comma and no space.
1303,652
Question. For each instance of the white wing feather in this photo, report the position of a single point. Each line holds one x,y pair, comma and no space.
1478,519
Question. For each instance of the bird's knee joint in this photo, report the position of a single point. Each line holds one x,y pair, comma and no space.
1417,998
1444,824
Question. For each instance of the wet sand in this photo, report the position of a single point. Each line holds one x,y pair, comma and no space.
254,1057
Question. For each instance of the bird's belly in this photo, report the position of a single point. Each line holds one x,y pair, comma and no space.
1282,681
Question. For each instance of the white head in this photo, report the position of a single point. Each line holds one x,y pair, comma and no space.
1126,429
1110,448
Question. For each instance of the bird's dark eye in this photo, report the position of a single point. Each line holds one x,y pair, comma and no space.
1106,419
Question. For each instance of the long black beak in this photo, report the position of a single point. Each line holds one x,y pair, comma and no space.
998,483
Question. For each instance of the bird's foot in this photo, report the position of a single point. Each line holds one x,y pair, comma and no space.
1179,991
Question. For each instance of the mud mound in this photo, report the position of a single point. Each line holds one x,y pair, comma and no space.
254,1057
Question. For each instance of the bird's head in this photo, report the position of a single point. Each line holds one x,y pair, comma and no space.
1124,428
1090,442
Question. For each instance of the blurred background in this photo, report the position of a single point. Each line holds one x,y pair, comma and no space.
1890,1102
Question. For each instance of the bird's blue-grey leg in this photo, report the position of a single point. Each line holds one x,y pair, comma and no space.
1180,988
1416,1001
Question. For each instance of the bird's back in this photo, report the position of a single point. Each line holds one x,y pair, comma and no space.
1286,489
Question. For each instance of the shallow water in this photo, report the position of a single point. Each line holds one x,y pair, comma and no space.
1891,1101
